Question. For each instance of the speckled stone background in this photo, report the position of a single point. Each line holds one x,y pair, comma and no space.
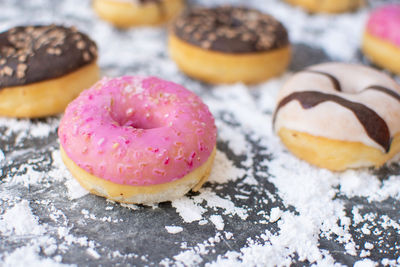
139,234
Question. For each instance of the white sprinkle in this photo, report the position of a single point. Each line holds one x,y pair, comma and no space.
93,253
218,222
368,245
275,214
174,229
365,263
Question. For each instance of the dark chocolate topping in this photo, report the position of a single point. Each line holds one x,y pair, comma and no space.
230,29
375,127
384,90
37,53
335,82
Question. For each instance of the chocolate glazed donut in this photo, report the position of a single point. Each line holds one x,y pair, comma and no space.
42,68
229,44
370,98
36,53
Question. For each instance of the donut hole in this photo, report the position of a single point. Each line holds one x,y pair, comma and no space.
139,118
140,123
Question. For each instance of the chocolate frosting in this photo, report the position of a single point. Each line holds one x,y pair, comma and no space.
335,82
375,127
230,29
37,53
384,90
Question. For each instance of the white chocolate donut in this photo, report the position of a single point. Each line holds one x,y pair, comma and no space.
353,109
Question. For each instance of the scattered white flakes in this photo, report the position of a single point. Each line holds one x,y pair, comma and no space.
188,209
27,176
235,138
368,245
50,250
130,206
93,253
388,262
365,230
275,214
365,263
188,258
203,222
19,220
24,128
173,229
243,113
350,248
357,218
214,201
2,157
75,190
363,184
228,235
223,170
365,253
28,256
218,221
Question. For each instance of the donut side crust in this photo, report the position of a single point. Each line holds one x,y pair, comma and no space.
140,194
125,14
381,52
216,67
48,97
328,6
335,155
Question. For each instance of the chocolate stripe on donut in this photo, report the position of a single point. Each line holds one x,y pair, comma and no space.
333,79
375,127
384,90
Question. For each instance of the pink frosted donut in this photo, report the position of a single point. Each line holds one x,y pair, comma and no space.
138,140
382,37
384,23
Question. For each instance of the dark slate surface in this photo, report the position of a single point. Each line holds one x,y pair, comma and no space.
141,238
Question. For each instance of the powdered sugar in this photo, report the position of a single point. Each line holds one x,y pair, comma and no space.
173,229
261,205
19,220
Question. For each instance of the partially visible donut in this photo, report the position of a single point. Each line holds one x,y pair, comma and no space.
338,116
127,13
138,140
328,6
229,44
381,42
42,68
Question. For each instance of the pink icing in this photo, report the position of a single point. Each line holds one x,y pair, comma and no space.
138,131
384,22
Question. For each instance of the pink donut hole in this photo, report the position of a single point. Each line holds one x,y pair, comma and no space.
137,117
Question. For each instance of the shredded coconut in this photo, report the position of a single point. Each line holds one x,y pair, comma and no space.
261,205
173,229
19,220
218,222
